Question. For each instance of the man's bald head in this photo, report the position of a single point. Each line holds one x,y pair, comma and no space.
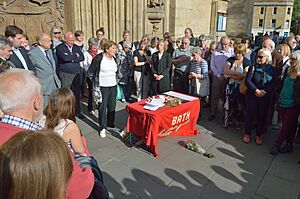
69,38
269,44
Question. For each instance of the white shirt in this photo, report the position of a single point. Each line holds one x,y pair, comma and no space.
21,58
238,69
107,75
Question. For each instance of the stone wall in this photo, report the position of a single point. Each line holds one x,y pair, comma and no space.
32,15
240,17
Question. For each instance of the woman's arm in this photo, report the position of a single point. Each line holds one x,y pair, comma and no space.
72,133
137,63
248,79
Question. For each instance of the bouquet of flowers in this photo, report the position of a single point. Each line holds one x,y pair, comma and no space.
173,101
193,146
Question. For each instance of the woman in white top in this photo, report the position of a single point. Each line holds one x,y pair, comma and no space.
60,118
104,67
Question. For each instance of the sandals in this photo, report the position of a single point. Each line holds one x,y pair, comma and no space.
258,140
246,138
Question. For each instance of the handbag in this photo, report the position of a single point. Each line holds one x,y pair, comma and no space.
243,88
201,87
96,92
99,190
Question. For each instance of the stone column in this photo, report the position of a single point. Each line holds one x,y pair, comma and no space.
239,22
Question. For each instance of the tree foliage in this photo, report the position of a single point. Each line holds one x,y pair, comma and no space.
296,17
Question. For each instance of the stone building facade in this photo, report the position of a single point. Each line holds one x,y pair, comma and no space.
272,15
151,17
139,17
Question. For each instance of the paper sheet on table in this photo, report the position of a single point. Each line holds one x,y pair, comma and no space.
152,108
180,96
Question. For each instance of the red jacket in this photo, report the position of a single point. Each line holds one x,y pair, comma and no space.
82,180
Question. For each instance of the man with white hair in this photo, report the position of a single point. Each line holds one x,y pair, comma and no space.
44,63
21,102
276,56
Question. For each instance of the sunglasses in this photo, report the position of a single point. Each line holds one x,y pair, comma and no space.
260,57
56,33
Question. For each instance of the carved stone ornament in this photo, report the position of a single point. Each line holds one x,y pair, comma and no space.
32,16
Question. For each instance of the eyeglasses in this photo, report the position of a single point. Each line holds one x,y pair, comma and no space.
56,33
260,57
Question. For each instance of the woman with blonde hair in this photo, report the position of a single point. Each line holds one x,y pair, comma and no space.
285,51
161,65
60,118
260,81
289,106
56,36
35,165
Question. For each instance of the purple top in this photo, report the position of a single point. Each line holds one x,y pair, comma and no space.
218,61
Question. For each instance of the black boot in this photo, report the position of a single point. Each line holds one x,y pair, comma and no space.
288,148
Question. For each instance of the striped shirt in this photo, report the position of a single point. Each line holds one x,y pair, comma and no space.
20,123
200,67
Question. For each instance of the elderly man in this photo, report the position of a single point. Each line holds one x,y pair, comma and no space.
44,63
19,58
22,103
217,65
276,56
291,41
69,57
181,61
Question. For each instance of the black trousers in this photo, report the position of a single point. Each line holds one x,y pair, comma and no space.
181,82
256,108
107,108
90,91
72,81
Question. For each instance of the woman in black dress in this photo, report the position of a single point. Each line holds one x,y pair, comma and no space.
161,65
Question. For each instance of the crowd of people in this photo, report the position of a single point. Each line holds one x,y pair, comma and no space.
42,86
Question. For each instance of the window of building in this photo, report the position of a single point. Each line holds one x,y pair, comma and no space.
222,21
287,24
274,10
288,11
260,23
273,23
261,10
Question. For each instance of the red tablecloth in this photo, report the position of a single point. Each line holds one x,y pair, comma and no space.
167,120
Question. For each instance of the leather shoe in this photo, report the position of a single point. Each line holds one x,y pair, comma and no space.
288,148
275,149
211,117
80,115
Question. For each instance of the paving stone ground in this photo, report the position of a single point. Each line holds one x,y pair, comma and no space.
238,171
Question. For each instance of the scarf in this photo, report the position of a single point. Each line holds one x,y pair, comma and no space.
93,52
266,71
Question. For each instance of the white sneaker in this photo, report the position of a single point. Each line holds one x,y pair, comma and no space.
114,129
122,134
102,133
